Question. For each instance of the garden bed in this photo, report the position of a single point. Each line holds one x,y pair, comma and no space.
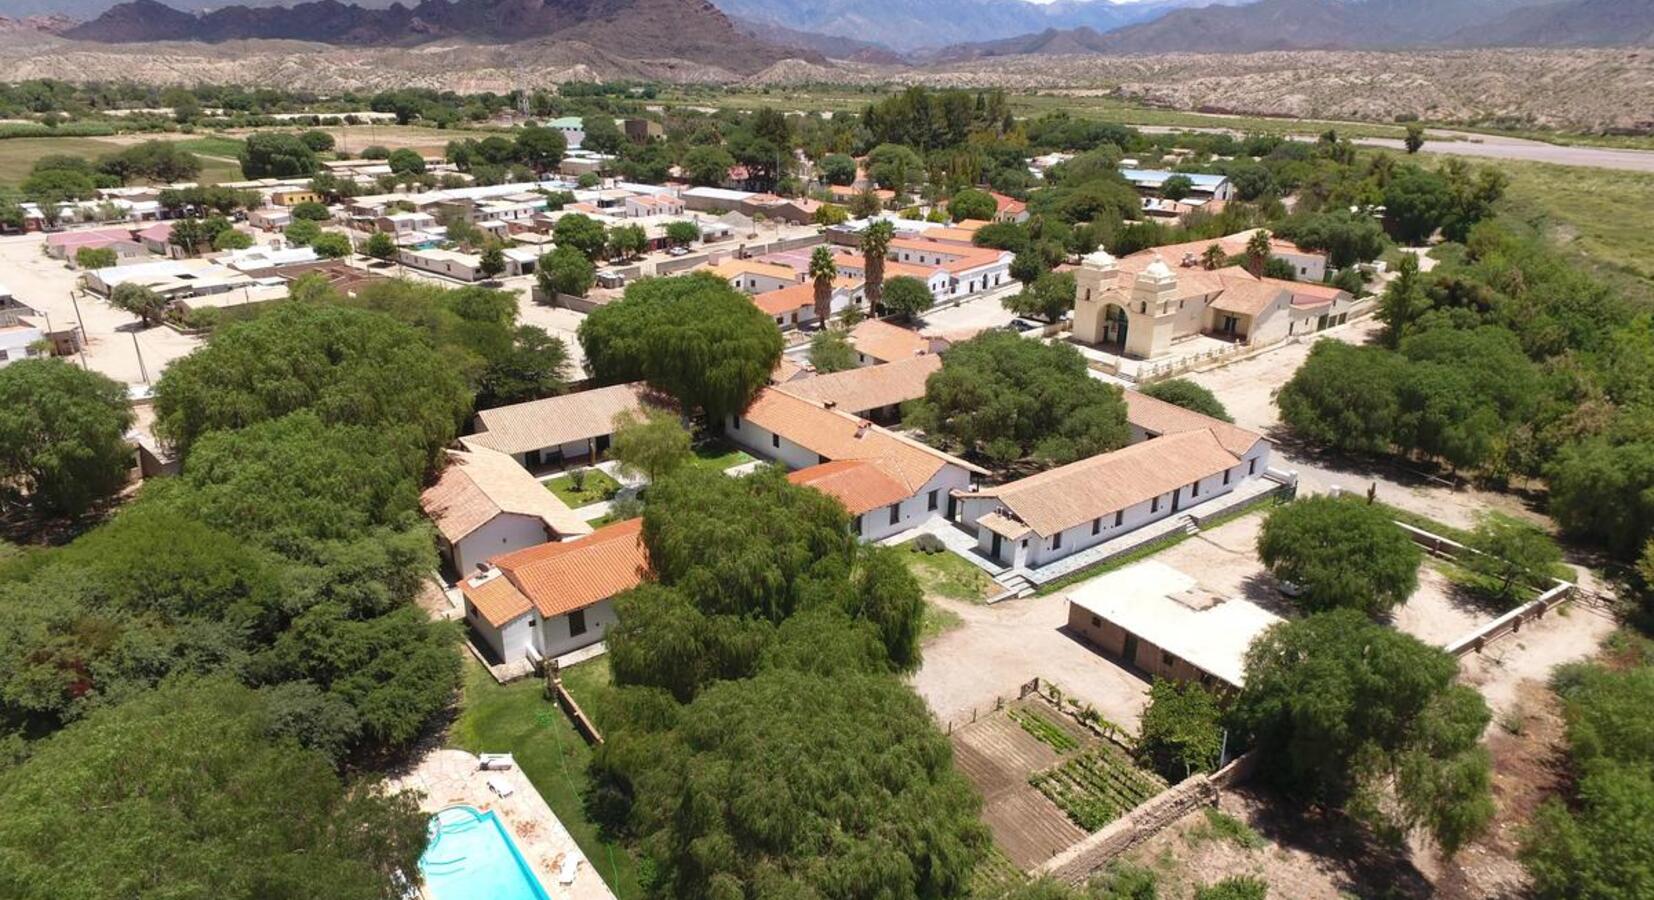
595,486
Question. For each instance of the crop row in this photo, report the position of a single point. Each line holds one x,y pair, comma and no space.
1096,787
1044,730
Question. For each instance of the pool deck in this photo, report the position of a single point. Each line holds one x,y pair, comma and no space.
446,777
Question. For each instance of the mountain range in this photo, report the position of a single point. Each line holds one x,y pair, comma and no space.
693,30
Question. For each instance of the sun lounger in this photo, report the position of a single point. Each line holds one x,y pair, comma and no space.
501,787
567,871
495,761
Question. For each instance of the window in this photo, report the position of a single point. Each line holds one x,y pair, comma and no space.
895,512
1097,525
1056,541
930,501
1252,467
1154,505
775,441
577,622
531,622
1165,658
1225,476
735,422
855,525
1096,622
1119,518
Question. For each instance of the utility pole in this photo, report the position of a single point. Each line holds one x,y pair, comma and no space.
80,343
141,369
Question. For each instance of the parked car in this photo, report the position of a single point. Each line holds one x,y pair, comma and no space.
678,251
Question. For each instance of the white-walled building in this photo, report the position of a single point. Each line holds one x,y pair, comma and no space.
1178,460
555,430
484,504
801,435
555,598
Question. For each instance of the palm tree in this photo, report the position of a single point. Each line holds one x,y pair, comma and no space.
1213,258
1257,251
875,243
823,270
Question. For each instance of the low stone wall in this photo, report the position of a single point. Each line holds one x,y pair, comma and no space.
582,722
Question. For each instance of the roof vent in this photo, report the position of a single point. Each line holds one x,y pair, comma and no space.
830,404
861,428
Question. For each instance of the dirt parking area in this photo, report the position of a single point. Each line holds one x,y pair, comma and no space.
998,648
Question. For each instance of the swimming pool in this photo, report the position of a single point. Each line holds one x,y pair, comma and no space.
471,857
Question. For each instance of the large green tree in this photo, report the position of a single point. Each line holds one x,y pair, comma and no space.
276,155
692,336
62,436
1005,397
1341,553
1345,397
1357,715
1189,395
192,792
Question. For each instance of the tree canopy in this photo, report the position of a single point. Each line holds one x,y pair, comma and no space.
1357,715
1005,397
62,436
693,336
276,155
1189,395
1341,553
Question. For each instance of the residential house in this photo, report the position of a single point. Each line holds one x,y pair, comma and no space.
754,276
556,431
1163,623
1152,182
172,278
637,206
873,392
466,266
269,218
1008,209
65,244
289,197
794,306
1179,459
484,504
970,269
715,200
573,129
542,602
18,338
799,434
641,131
157,239
877,341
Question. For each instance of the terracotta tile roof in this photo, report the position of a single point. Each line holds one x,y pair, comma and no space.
730,268
1160,418
837,435
1006,204
786,369
1003,525
971,225
1247,298
951,235
884,341
1091,488
797,296
558,578
537,424
478,485
496,598
860,485
869,387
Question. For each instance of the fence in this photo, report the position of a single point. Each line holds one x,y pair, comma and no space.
556,691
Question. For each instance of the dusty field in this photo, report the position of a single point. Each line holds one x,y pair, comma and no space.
998,755
998,648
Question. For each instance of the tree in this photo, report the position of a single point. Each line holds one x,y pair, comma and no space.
348,365
317,140
1603,490
1404,301
162,162
91,258
380,246
830,214
1180,733
1258,251
1213,257
875,244
627,241
404,161
294,830
62,435
491,264
1027,266
830,351
866,204
581,232
376,151
231,239
895,167
1006,397
694,337
1415,204
650,444
316,212
1345,397
906,297
141,301
1177,187
331,245
1048,297
1189,395
1353,714
823,269
707,166
535,366
837,168
682,234
1415,138
541,149
565,270
1346,237
972,204
1512,554
276,155
302,233
1341,553
602,135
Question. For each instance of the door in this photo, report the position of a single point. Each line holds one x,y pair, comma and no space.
1129,651
996,545
1177,499
953,507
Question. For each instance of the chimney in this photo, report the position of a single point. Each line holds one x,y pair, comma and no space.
830,404
861,428
486,572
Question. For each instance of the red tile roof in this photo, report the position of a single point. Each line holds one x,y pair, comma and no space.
558,578
860,485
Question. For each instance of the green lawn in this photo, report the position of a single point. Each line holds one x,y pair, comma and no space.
18,155
937,622
1586,211
597,487
719,455
947,574
517,719
213,145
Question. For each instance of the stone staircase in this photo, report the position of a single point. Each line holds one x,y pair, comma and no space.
1015,583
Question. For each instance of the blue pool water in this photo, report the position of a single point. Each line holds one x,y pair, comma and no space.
471,857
